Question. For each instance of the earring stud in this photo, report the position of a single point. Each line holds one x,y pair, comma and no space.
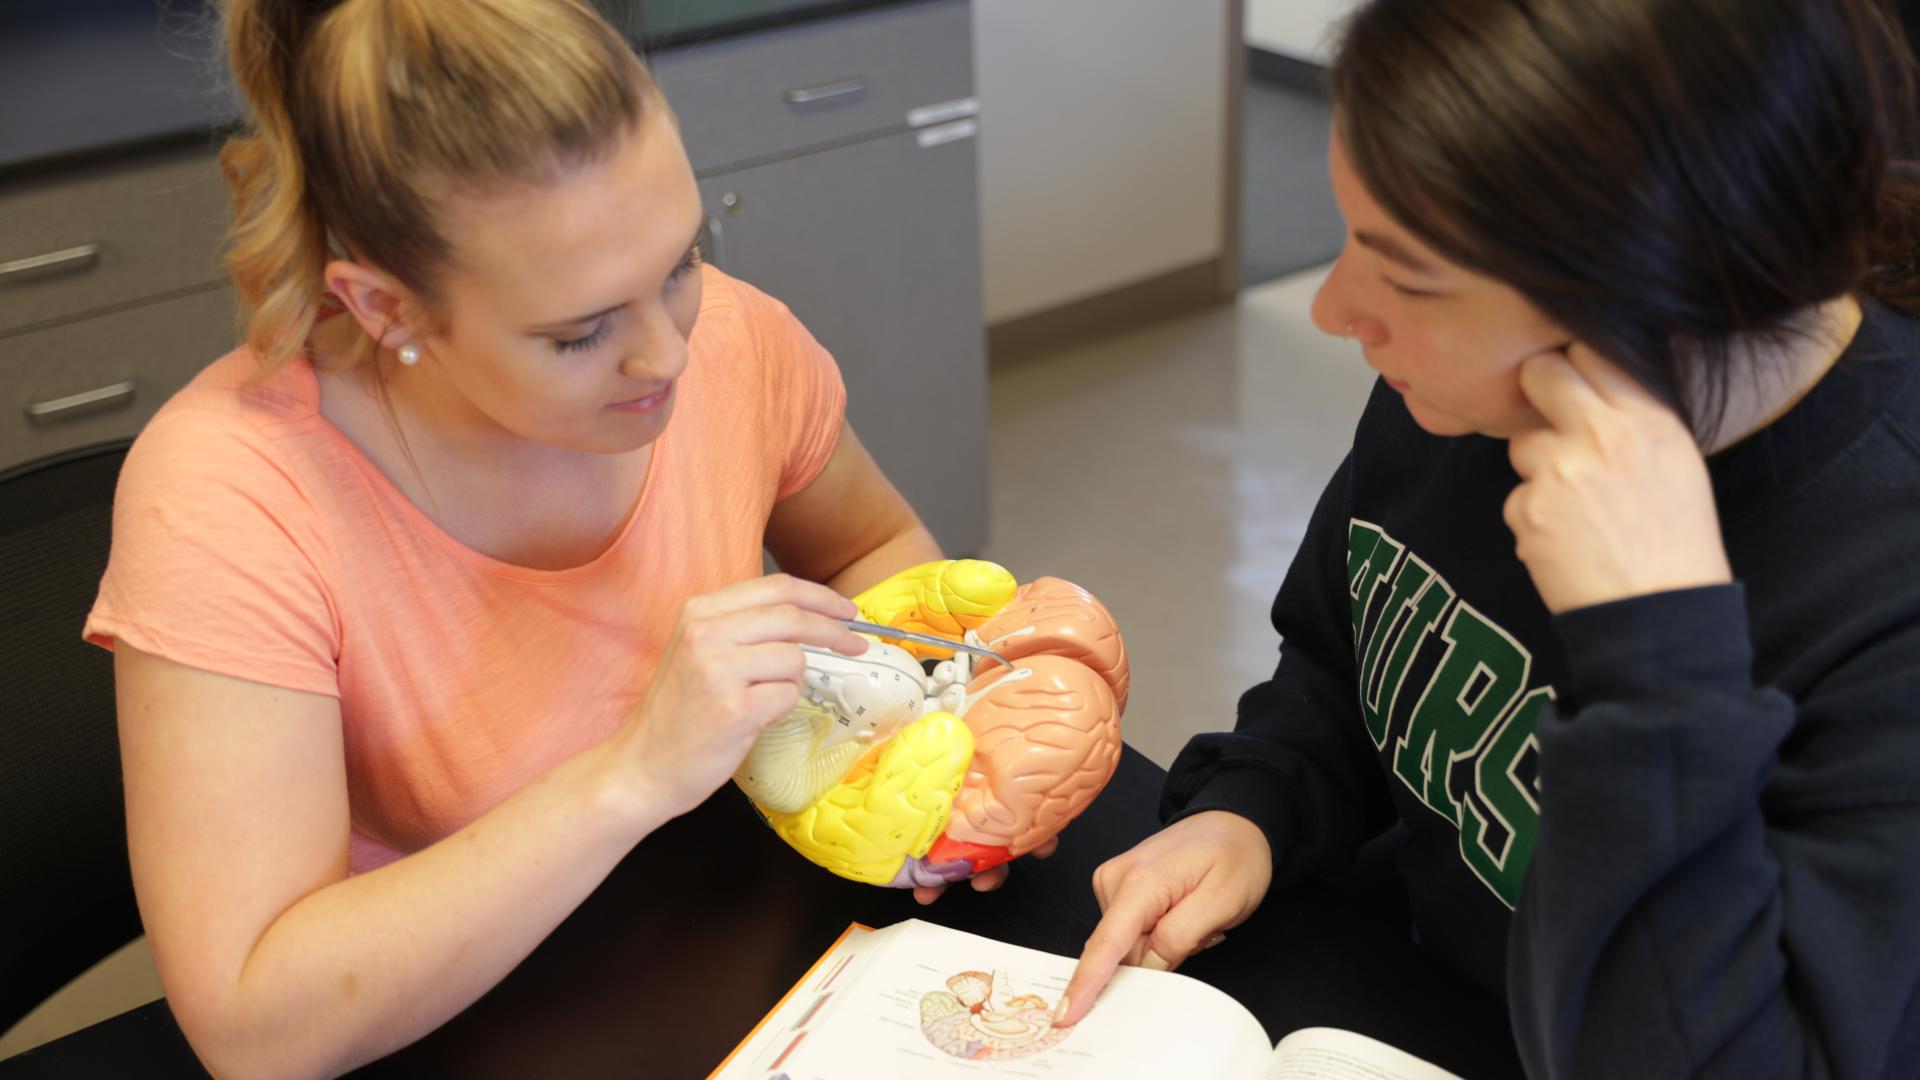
409,354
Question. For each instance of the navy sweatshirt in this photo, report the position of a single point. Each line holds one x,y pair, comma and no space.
1680,833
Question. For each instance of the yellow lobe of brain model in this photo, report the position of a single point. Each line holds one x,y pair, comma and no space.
947,597
892,805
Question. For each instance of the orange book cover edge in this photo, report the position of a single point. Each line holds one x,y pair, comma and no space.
791,990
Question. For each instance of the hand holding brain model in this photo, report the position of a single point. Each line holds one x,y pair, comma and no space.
893,775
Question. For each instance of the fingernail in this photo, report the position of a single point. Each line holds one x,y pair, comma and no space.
1153,961
1060,1010
1214,940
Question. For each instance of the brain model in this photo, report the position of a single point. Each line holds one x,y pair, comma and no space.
892,774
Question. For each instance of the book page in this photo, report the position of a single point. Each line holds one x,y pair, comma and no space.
765,1050
926,1001
1332,1054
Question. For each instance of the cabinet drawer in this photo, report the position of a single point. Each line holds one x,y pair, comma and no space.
899,311
109,235
102,378
766,95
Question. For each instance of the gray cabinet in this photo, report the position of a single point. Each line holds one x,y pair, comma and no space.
111,297
837,160
869,246
102,377
88,239
806,87
838,165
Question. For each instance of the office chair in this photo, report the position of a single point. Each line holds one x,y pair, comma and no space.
66,894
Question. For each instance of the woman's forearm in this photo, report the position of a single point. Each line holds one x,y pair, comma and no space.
361,967
904,550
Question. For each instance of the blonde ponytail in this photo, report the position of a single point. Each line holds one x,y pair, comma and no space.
366,114
276,249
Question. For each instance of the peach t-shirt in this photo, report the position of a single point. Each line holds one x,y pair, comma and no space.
252,539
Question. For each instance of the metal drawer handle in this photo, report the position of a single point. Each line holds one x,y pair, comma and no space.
68,260
713,244
807,95
107,397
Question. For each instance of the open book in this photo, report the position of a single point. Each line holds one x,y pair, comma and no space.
919,1000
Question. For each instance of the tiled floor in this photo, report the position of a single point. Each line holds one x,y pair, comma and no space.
112,986
1169,471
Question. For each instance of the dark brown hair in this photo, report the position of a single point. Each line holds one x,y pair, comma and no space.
1660,177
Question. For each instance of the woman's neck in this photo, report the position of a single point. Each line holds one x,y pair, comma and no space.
435,415
515,500
416,426
1782,373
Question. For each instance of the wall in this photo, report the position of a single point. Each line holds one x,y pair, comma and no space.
1296,28
1102,144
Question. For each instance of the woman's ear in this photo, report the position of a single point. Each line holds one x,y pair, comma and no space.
376,301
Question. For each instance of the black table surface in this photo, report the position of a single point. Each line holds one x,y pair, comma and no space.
709,921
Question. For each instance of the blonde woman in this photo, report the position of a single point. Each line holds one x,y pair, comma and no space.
442,591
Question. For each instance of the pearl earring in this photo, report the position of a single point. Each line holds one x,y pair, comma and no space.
409,354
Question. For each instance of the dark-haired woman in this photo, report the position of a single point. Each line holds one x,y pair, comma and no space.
1615,602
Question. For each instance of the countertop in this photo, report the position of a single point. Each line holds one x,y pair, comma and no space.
83,79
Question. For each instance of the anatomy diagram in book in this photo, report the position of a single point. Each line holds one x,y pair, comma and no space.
979,1018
